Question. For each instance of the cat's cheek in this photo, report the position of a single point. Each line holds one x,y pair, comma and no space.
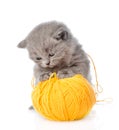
55,63
37,62
42,65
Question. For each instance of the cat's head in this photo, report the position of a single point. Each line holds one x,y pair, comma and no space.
49,44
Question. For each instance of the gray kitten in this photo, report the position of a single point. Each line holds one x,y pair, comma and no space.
54,49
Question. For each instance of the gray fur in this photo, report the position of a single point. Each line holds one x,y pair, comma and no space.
54,49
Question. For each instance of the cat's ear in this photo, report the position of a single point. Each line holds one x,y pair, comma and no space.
61,34
22,44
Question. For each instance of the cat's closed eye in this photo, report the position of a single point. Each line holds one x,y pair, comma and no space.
38,58
50,55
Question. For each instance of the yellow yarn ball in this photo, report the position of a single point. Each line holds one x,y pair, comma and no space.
63,99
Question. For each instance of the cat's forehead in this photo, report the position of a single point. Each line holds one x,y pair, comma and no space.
44,42
41,47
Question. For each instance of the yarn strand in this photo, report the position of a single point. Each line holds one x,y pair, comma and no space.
33,82
105,100
98,88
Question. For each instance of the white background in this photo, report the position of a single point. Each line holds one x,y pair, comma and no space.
95,23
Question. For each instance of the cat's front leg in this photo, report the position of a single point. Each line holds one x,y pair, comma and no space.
65,73
44,76
41,74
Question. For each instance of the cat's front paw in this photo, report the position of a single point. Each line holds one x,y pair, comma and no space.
65,74
44,76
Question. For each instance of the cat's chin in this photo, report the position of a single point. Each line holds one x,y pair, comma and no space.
48,67
51,67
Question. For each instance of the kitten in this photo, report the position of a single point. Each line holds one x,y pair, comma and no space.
54,49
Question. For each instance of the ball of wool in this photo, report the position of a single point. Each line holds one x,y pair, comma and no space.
63,99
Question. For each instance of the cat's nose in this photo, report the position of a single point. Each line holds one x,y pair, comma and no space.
48,63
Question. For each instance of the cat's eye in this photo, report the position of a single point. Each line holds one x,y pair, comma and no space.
38,58
50,55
